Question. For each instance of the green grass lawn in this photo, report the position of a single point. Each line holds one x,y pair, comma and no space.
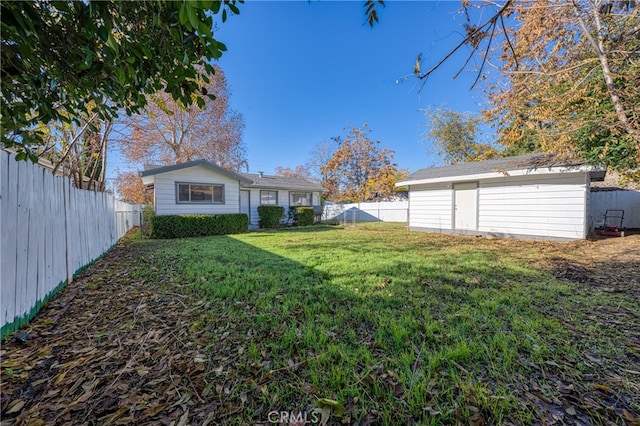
399,327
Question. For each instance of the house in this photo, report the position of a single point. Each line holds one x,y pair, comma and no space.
200,187
529,196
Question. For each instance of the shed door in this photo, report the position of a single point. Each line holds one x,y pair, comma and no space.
245,207
465,209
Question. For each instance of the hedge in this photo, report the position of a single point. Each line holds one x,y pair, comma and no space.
303,215
184,226
270,216
146,230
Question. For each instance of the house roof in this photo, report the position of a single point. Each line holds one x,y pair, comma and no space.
282,182
257,180
539,163
153,170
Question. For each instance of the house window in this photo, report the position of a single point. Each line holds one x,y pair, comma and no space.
300,199
204,193
269,198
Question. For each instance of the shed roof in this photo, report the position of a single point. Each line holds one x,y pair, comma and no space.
524,164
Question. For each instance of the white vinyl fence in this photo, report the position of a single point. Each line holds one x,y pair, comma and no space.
384,211
50,231
629,201
396,211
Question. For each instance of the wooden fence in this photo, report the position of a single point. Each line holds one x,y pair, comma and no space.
50,231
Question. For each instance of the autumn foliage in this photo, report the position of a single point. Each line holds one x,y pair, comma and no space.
360,169
131,189
169,132
298,171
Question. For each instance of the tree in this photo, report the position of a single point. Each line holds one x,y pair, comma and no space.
569,74
57,57
383,186
130,188
356,163
169,133
455,134
299,171
571,82
320,155
77,150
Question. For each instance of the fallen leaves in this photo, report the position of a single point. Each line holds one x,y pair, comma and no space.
116,353
129,343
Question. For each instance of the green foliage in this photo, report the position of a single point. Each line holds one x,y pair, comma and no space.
599,145
303,215
270,216
147,220
370,11
454,134
184,226
58,57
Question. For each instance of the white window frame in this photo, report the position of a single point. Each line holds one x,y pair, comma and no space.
212,185
262,203
308,195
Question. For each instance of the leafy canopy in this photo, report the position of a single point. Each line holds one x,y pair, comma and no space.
454,134
58,57
568,73
357,164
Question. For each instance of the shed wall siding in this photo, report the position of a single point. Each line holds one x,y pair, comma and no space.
430,206
165,192
551,205
542,205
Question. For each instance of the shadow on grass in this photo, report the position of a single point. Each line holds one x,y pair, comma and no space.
328,314
237,327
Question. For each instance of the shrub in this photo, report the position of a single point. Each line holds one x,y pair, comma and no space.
147,220
184,226
270,216
303,216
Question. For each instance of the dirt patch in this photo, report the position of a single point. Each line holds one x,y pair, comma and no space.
611,264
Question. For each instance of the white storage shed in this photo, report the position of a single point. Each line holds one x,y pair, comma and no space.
530,196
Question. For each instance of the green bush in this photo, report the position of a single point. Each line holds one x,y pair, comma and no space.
303,216
147,220
184,226
270,216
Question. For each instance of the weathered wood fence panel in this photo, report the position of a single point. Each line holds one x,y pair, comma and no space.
49,231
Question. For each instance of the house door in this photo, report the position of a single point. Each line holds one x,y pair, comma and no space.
465,210
245,206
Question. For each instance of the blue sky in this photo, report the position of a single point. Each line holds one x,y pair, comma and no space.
301,72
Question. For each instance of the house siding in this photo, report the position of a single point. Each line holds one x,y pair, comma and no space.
165,192
283,200
542,205
430,206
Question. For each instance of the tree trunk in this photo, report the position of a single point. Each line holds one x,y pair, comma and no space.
598,47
